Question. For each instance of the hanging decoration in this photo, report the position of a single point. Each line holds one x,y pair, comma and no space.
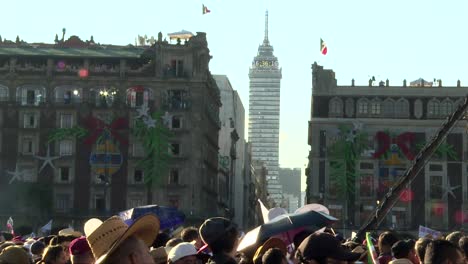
66,133
343,155
395,144
47,159
151,131
444,150
106,158
15,175
96,128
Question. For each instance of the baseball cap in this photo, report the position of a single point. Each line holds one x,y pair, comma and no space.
215,228
79,246
323,245
182,250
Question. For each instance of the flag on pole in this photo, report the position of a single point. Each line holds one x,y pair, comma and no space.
47,227
205,10
371,252
265,211
323,47
10,225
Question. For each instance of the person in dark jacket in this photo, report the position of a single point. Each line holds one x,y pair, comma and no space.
221,236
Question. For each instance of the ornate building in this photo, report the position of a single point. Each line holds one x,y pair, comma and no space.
81,124
264,112
362,140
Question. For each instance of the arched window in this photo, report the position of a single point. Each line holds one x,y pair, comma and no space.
433,108
138,96
67,94
104,95
349,107
402,108
3,93
389,108
446,107
30,94
335,107
375,107
362,107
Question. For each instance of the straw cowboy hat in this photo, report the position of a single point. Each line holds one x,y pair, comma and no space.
105,237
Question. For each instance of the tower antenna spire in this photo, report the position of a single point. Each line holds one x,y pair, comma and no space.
266,41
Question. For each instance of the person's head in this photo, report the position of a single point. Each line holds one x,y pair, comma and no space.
463,244
274,256
270,243
54,255
80,252
454,237
324,248
14,255
443,251
161,240
404,249
159,255
386,241
183,253
113,241
299,237
173,242
37,248
420,247
190,234
220,234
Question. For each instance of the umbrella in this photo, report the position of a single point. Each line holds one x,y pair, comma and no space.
313,207
169,217
311,220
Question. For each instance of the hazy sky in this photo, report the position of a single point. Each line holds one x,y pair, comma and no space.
399,39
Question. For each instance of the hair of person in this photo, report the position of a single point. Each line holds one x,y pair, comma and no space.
83,258
388,238
421,246
273,256
463,244
225,243
174,242
189,234
454,237
402,248
299,237
161,240
128,246
51,254
438,251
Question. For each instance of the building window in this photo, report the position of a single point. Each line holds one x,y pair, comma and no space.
64,174
388,108
175,69
176,99
176,122
99,202
435,187
433,108
28,145
336,107
138,176
66,120
402,108
135,202
446,108
175,149
375,107
30,120
418,108
30,94
138,96
62,202
366,185
174,176
138,150
65,148
3,93
362,107
349,107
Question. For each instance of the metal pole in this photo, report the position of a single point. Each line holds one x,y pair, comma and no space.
391,198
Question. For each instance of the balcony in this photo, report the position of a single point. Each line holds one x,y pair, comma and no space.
176,100
68,101
30,101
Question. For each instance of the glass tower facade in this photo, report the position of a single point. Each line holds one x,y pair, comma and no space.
264,113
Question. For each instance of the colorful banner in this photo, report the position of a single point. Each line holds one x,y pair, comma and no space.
428,232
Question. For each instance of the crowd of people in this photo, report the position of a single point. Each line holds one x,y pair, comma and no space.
216,241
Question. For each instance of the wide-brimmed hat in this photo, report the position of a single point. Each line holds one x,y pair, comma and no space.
70,232
323,245
105,237
270,243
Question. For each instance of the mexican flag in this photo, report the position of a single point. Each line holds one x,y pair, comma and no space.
371,252
323,47
205,10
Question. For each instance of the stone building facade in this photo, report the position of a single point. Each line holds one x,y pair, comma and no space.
92,95
386,126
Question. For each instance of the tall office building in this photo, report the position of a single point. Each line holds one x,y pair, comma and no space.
264,112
